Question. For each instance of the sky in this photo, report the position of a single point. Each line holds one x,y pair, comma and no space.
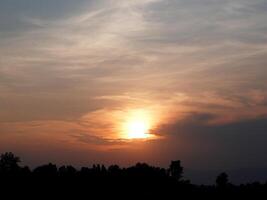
75,75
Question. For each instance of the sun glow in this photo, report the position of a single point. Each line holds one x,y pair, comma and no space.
138,125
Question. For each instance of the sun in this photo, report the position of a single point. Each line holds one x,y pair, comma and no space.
137,129
137,125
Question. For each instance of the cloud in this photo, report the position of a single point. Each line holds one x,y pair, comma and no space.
202,63
221,146
91,139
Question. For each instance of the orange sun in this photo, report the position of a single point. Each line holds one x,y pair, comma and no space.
137,125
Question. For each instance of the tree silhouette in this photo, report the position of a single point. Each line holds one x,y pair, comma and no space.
176,170
114,169
9,163
46,170
222,180
67,171
140,180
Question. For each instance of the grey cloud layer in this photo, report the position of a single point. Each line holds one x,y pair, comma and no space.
61,50
204,60
234,145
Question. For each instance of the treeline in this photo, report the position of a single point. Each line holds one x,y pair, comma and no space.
141,180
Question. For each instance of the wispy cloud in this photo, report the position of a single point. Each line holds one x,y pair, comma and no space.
83,61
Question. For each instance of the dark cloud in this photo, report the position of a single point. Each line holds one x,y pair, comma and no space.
222,146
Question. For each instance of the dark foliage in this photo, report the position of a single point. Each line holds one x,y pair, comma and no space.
139,181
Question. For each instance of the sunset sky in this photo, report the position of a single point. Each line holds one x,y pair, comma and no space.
121,81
